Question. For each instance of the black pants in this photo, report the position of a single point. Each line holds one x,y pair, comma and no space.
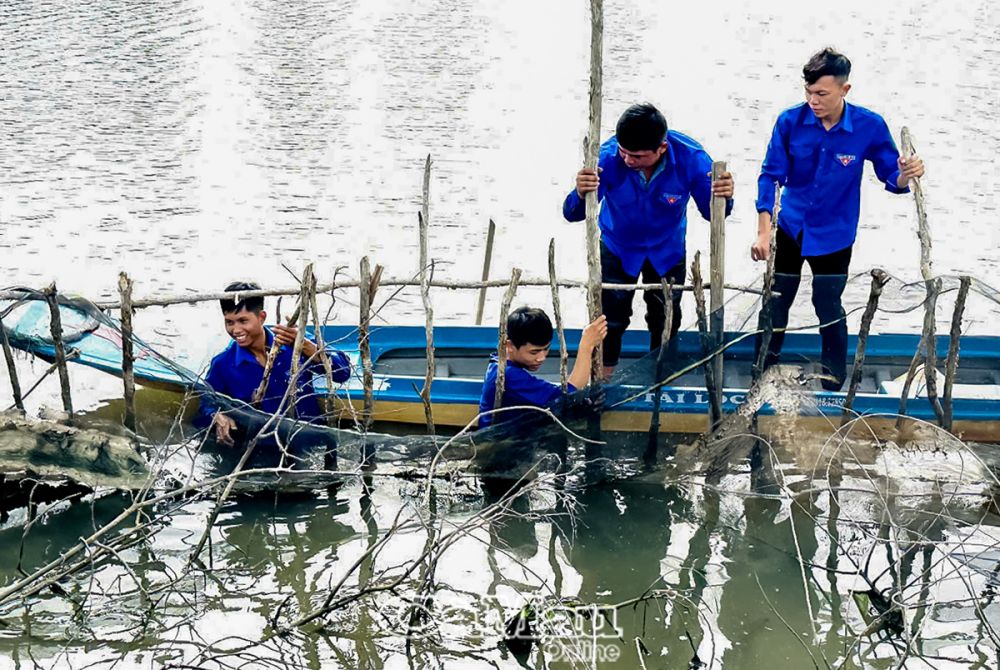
617,305
829,280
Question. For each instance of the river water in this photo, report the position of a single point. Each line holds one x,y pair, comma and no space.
195,142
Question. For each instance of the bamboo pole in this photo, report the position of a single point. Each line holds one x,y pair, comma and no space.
717,270
767,330
593,147
487,260
367,370
879,280
951,367
15,384
55,327
557,313
425,294
661,358
128,357
715,406
194,298
508,297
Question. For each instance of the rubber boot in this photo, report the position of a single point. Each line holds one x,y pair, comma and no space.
826,298
787,286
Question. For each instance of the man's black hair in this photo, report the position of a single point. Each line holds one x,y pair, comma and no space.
255,305
827,62
529,325
641,128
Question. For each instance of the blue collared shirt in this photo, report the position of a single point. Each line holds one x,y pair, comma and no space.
642,220
520,388
821,172
236,373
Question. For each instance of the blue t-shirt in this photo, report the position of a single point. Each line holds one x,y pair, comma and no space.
520,388
642,219
236,373
821,172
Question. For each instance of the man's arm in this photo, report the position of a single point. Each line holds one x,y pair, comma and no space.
894,171
592,335
773,172
703,190
339,362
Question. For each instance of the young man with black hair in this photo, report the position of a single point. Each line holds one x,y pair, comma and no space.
646,175
529,336
239,369
817,153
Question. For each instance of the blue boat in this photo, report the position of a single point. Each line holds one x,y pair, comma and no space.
461,355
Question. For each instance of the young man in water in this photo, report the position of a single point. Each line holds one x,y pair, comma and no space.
529,337
646,176
817,153
239,369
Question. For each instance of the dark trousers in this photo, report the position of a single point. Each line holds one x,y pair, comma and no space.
829,280
617,305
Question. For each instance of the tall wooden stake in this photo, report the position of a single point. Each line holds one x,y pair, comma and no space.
487,260
508,297
300,333
367,370
557,312
55,327
128,357
879,280
426,268
330,455
661,358
15,384
951,367
711,383
593,147
767,329
717,272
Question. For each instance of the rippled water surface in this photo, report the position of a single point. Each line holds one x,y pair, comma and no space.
191,143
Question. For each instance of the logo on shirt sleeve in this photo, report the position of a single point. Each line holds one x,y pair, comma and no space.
846,159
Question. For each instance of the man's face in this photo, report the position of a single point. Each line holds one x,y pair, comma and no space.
641,160
530,356
826,96
245,327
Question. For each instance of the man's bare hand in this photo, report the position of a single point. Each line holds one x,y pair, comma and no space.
723,187
224,427
587,181
594,333
285,336
909,168
761,249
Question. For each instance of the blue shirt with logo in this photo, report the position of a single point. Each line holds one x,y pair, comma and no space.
642,219
236,373
520,388
821,172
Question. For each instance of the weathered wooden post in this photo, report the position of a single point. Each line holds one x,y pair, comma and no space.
508,297
55,327
766,325
661,358
426,269
879,280
365,288
487,260
593,148
300,334
951,366
330,455
715,407
717,277
128,356
557,312
15,384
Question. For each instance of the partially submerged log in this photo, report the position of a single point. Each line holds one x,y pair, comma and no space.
51,451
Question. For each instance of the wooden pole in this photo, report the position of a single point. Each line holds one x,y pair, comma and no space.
593,148
715,407
951,367
425,294
128,357
661,358
300,335
879,280
55,327
767,329
557,312
330,455
15,384
367,370
508,297
717,271
272,353
487,260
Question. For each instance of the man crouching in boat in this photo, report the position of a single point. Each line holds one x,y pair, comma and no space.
817,153
237,373
529,336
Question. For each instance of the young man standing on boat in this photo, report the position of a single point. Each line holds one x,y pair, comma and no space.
529,337
237,371
646,176
817,153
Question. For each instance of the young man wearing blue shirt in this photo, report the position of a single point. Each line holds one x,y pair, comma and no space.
239,369
646,176
529,336
817,153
